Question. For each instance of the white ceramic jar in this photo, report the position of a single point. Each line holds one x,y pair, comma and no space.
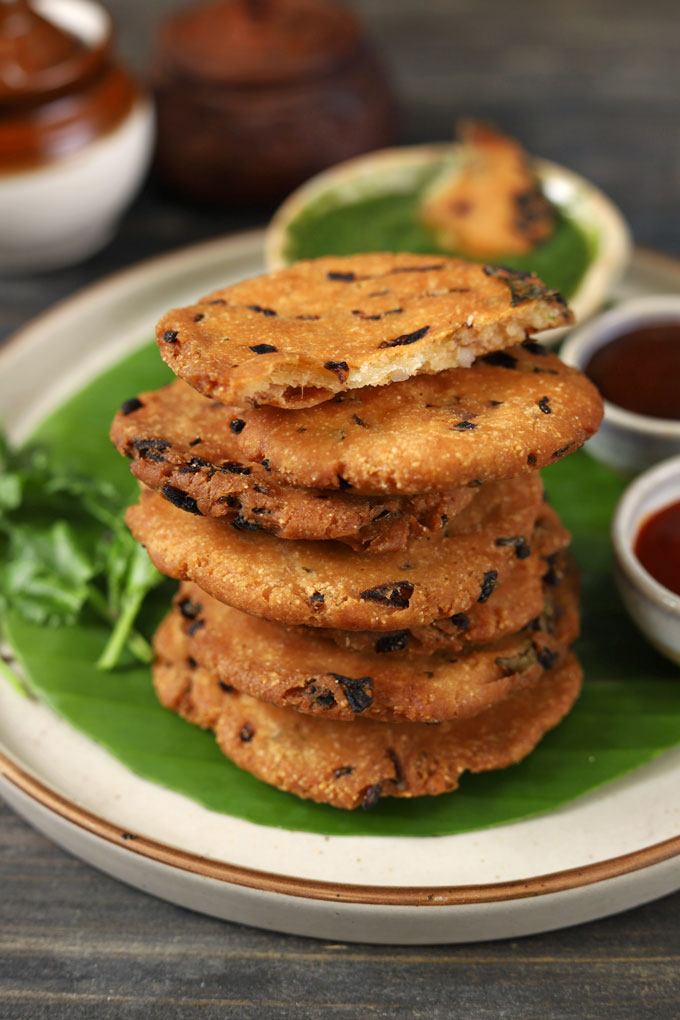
76,143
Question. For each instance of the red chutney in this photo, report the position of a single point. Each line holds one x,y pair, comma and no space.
657,546
640,371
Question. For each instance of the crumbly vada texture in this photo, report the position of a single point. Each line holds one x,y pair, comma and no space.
298,336
325,584
513,411
521,597
181,445
304,672
355,765
335,675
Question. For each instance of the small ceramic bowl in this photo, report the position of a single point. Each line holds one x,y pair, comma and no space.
67,206
652,607
628,441
405,169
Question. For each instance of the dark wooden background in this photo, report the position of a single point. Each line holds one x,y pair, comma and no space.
593,84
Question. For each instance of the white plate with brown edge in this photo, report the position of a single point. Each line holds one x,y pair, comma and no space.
404,169
606,852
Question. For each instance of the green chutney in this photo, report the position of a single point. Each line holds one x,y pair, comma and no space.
390,222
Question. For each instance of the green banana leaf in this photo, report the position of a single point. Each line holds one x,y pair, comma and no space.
628,714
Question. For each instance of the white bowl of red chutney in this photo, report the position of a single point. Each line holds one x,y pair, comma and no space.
632,354
646,540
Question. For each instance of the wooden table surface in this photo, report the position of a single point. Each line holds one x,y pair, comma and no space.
593,84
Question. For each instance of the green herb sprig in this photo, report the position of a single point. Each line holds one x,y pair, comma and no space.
65,551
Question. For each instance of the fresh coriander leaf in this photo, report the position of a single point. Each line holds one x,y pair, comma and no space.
139,578
47,573
64,547
99,499
10,492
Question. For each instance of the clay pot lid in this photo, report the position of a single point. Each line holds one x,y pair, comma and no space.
258,42
37,56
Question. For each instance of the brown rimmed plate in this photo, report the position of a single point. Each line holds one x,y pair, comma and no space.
606,852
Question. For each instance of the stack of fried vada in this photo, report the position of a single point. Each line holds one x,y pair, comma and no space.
375,596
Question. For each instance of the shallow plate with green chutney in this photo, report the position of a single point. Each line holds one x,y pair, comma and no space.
371,204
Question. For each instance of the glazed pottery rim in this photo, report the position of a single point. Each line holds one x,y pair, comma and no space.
316,889
628,517
610,325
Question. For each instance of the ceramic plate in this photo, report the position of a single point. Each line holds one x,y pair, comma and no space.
606,852
402,171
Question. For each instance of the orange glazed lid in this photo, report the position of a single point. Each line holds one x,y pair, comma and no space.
58,90
37,56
